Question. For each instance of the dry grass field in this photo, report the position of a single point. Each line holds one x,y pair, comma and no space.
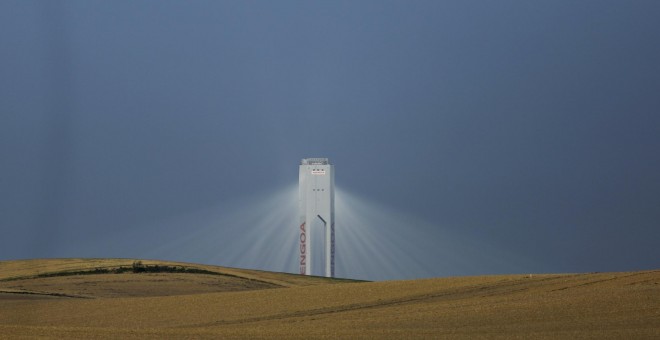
92,298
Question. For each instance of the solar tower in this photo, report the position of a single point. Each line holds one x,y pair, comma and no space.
316,202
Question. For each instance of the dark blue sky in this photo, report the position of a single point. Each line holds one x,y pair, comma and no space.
530,126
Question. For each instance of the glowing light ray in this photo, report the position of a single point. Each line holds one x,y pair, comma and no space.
366,246
261,232
263,243
411,247
259,238
232,234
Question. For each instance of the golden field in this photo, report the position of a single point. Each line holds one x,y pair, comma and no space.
65,298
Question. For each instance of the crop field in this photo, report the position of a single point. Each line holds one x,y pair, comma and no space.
124,298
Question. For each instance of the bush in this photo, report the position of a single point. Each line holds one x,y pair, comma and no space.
138,267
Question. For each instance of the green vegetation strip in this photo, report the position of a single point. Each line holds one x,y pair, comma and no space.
27,292
137,267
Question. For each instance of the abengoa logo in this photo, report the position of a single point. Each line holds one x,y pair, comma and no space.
303,249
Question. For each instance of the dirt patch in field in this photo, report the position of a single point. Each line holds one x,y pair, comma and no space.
134,285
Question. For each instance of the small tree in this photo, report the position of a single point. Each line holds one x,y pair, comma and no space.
138,267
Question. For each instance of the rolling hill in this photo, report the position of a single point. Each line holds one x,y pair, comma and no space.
123,298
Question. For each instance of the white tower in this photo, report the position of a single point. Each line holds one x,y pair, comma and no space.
316,204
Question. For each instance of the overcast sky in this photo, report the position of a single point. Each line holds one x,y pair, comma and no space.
530,126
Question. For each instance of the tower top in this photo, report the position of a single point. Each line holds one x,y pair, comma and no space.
314,161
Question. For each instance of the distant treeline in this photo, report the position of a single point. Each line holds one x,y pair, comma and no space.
136,267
